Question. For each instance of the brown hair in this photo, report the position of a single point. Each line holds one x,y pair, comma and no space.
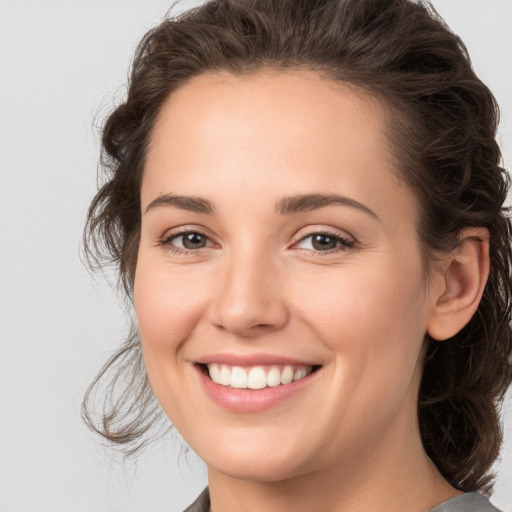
442,123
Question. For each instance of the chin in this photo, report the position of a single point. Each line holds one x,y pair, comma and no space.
256,470
246,463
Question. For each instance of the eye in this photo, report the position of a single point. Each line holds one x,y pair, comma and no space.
186,241
324,242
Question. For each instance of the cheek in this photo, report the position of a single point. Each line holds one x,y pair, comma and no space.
168,304
372,319
367,299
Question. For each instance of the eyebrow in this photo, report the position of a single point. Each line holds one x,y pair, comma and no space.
285,206
308,202
190,203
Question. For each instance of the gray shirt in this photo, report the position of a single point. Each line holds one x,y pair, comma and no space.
467,502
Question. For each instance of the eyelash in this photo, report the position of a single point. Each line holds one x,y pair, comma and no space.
343,243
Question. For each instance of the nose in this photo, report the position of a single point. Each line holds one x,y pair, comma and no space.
249,300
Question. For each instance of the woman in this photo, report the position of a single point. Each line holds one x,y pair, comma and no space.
306,206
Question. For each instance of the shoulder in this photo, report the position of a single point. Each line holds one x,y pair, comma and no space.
467,502
201,504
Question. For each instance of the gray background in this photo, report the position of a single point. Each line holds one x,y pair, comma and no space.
62,65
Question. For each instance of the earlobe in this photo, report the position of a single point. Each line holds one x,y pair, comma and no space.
463,281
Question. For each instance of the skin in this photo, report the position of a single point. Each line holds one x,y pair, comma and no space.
349,440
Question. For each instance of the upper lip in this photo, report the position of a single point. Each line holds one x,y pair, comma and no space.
252,360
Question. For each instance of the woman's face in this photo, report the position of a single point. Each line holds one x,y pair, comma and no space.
276,243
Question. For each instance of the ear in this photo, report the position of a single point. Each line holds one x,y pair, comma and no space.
461,280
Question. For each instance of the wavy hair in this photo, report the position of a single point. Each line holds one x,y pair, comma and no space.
441,127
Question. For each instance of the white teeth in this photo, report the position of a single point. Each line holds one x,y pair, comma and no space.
224,377
299,374
255,377
287,375
273,377
238,378
214,370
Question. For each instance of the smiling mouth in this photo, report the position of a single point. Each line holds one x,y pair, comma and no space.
256,377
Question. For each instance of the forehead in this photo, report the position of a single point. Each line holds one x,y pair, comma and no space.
274,133
298,103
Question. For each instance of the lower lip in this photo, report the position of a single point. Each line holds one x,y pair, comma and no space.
252,400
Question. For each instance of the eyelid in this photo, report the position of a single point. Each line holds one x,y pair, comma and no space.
317,230
171,234
185,228
345,240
